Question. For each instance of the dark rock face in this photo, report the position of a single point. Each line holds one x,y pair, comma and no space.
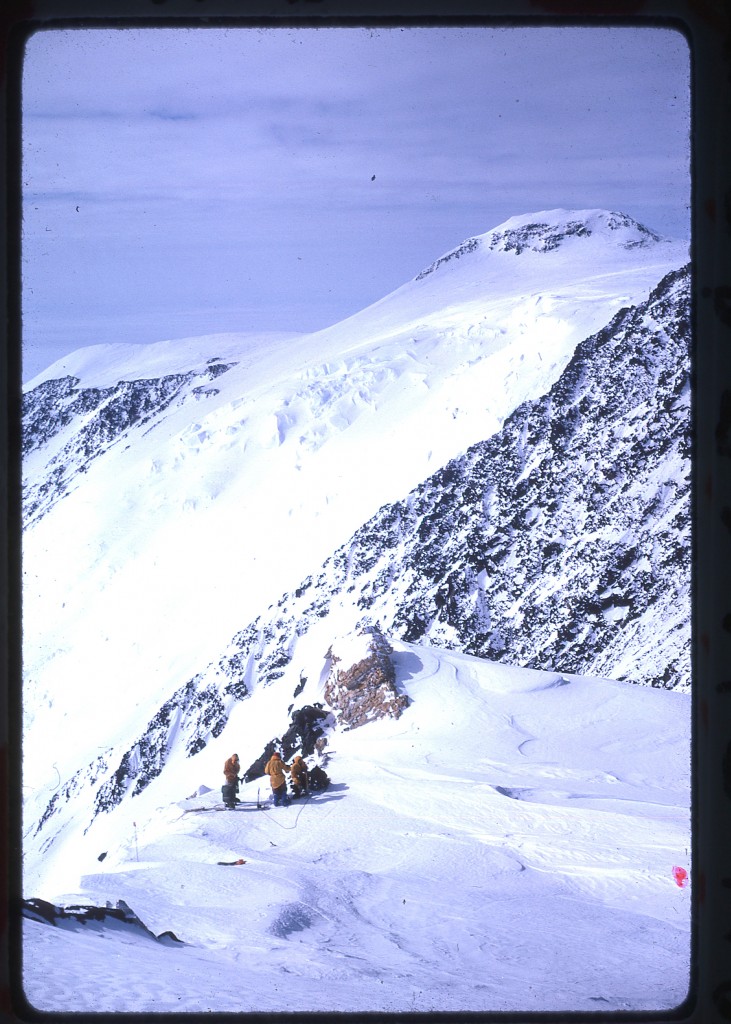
256,768
537,237
91,917
541,236
194,714
366,690
78,424
305,735
561,543
307,725
468,246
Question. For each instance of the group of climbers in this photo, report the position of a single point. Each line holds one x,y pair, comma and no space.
275,768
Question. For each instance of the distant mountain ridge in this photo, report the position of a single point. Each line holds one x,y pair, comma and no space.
548,231
83,423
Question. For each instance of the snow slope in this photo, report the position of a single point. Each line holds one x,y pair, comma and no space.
507,844
165,511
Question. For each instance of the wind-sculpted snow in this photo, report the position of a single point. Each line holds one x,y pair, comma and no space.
465,857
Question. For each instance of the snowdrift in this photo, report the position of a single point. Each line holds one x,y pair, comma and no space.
507,843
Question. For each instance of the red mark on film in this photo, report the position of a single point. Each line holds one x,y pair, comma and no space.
681,877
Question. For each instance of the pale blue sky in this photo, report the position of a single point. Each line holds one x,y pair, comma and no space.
182,182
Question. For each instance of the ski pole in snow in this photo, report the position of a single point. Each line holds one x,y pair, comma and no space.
137,852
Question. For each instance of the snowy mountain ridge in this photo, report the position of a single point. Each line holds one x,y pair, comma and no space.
326,544
146,452
562,542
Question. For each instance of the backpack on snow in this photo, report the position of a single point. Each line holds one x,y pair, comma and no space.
319,779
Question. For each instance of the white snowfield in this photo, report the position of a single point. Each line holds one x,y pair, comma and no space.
202,517
507,844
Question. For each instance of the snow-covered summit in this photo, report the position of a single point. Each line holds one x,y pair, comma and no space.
551,230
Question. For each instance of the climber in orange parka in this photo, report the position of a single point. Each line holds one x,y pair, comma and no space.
275,769
231,770
299,777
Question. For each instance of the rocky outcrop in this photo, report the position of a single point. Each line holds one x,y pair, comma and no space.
196,713
468,246
544,237
361,685
306,735
563,542
541,236
91,918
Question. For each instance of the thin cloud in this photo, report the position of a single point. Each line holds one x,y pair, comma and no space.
336,162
